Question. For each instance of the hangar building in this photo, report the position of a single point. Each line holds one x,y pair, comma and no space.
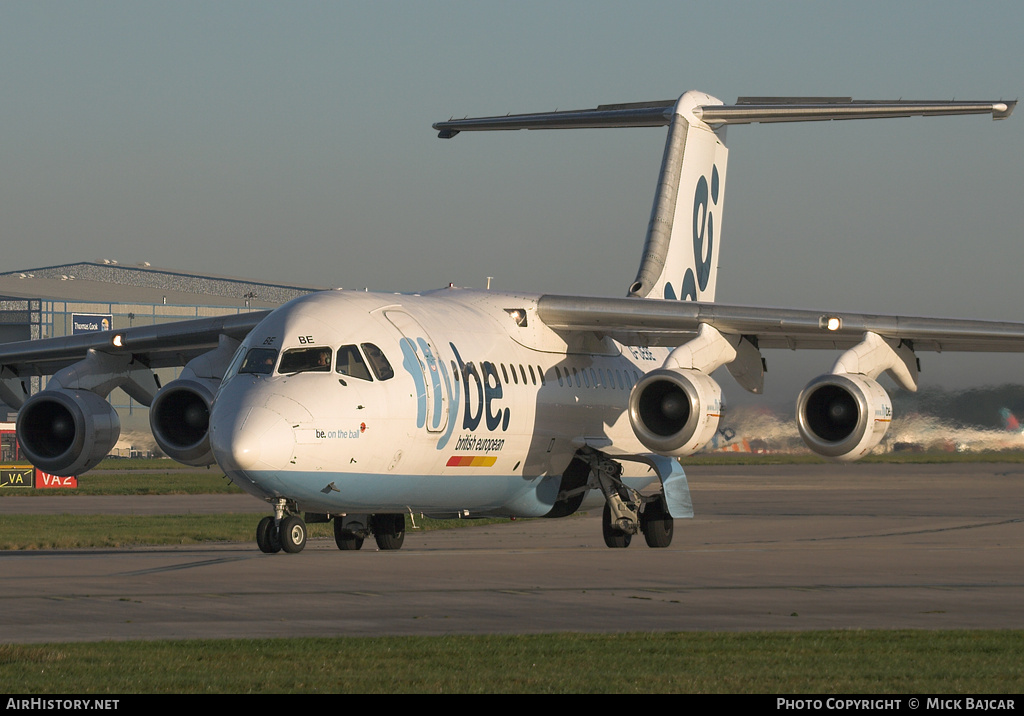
72,298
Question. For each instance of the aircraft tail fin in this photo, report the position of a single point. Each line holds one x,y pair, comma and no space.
680,257
1010,422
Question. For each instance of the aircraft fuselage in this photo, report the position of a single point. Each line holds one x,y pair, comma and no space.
451,402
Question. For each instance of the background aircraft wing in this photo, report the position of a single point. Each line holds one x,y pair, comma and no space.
658,322
156,346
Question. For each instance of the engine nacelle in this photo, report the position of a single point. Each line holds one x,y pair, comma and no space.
66,432
843,416
675,412
180,420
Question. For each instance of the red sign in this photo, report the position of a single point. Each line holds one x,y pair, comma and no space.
46,481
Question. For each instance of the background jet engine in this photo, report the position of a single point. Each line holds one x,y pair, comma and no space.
843,416
180,420
66,432
675,412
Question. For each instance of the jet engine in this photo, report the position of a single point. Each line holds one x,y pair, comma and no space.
675,412
66,432
180,420
843,416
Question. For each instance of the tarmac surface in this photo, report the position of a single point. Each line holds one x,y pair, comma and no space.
771,548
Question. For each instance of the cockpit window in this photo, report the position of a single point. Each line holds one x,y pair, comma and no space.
378,362
259,360
299,360
350,363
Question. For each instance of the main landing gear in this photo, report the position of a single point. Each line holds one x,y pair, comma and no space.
626,511
287,531
387,530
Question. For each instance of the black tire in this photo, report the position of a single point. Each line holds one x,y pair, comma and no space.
389,531
267,537
292,531
657,524
345,539
614,538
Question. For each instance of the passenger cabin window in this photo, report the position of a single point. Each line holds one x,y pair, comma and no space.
351,363
301,360
378,361
259,361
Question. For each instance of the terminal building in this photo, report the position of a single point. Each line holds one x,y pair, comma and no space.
105,295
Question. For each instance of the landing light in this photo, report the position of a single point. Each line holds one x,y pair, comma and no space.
118,340
518,315
830,323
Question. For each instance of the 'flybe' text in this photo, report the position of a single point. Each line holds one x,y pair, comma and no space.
481,391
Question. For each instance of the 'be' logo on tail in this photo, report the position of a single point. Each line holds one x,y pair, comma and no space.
705,200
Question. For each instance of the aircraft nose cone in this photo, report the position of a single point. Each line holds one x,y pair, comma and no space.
258,440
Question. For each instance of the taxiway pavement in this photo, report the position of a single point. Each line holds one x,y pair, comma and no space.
771,547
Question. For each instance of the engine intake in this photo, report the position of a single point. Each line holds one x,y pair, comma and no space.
66,432
675,412
843,416
180,420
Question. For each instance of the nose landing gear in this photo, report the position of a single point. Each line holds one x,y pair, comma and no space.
281,532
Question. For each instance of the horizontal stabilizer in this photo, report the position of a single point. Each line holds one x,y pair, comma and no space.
747,110
639,114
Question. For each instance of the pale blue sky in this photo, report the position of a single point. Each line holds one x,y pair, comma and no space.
292,142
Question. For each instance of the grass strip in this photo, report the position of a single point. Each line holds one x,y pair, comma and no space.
35,532
828,662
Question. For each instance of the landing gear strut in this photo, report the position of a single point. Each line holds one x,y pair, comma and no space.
626,511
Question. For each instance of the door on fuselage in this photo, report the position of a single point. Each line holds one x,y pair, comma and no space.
421,359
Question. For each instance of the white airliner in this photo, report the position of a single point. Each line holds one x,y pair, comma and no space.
363,408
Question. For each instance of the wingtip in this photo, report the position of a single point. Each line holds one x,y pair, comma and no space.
1002,110
444,131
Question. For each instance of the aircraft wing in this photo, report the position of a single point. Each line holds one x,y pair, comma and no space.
661,322
156,346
